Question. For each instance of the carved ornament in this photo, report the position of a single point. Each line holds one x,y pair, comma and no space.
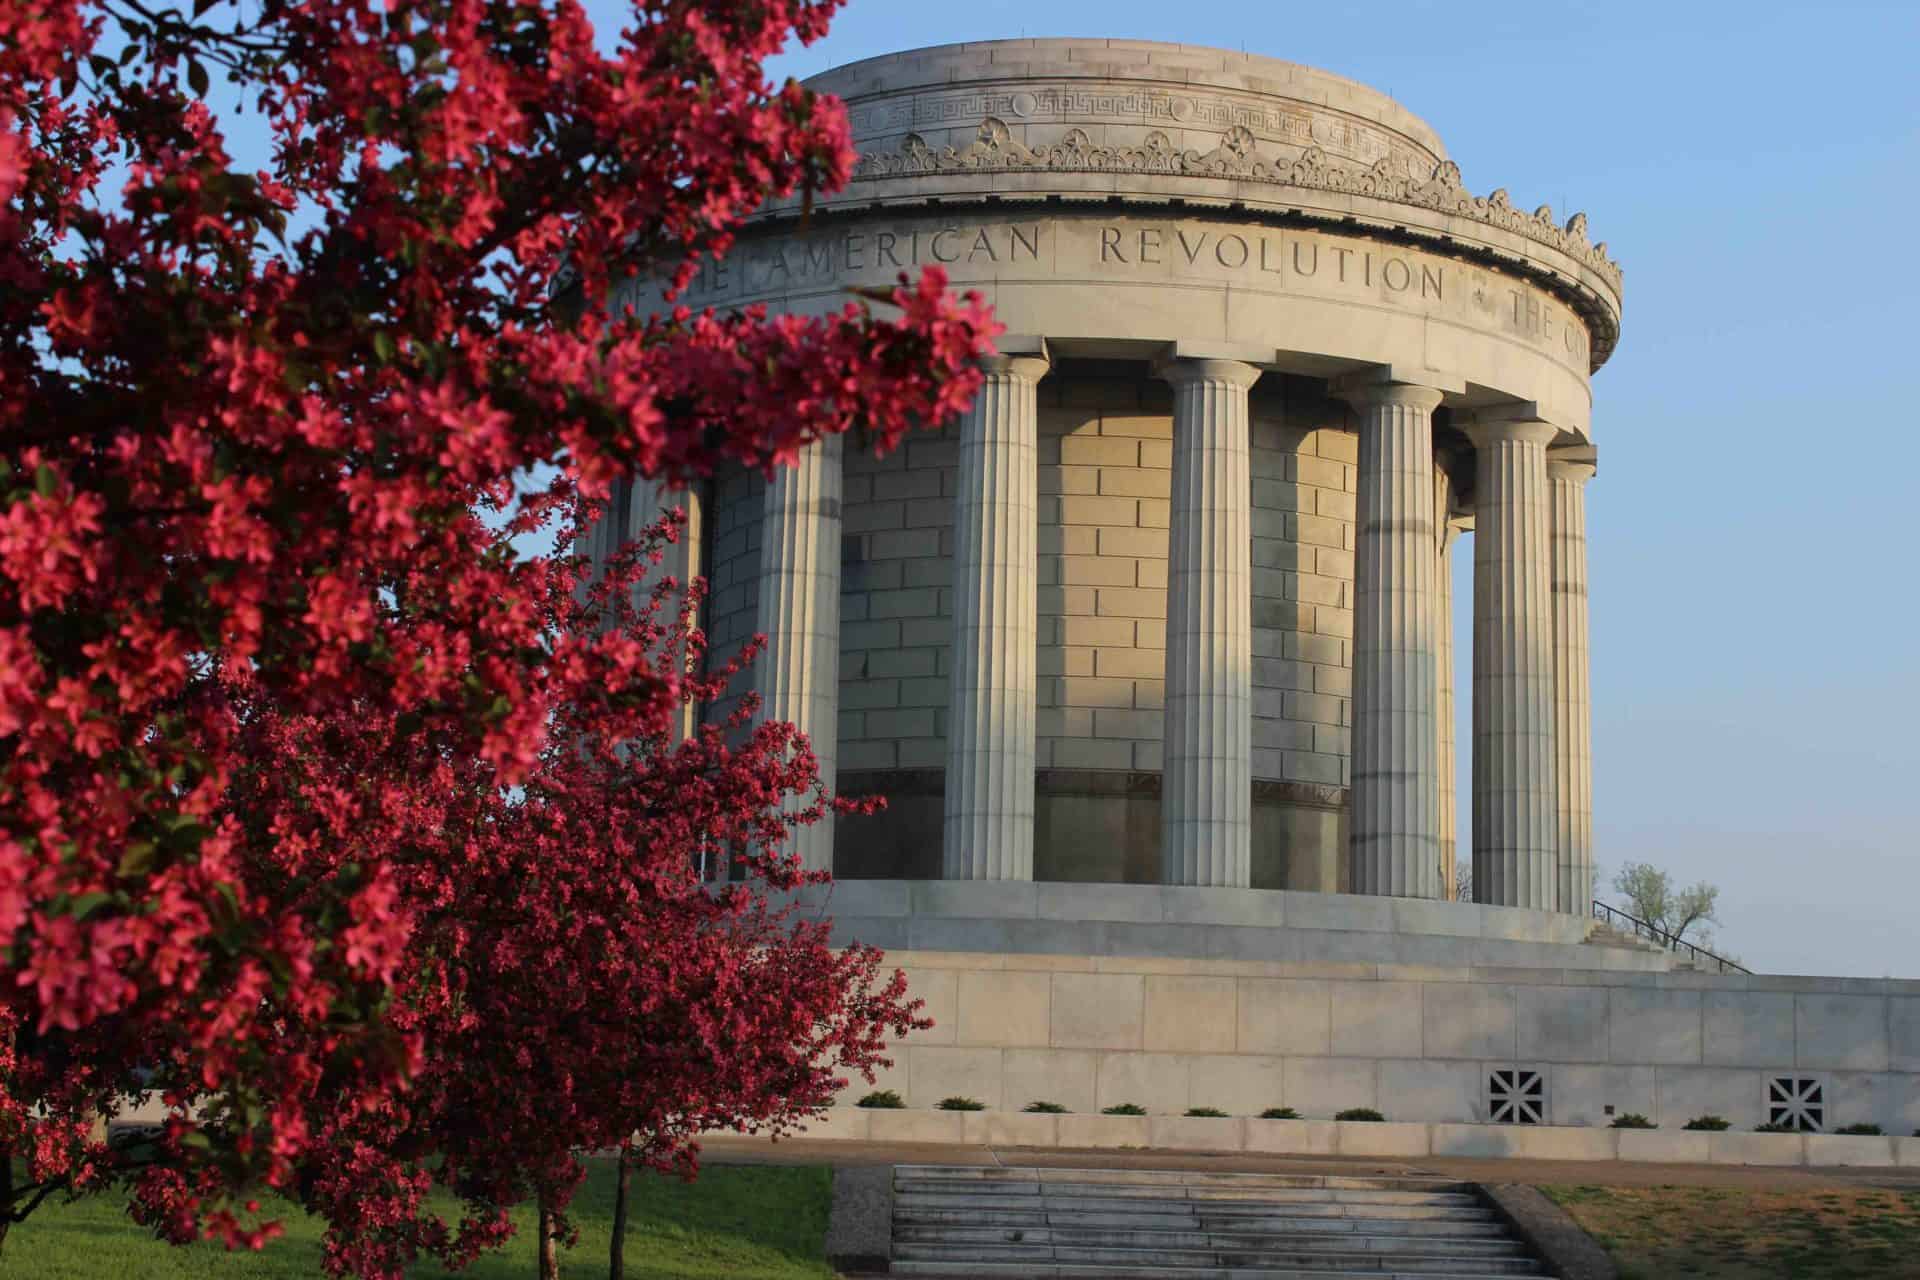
995,149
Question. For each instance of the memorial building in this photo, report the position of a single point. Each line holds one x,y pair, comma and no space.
1151,652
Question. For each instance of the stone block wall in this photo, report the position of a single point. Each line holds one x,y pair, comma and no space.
1105,457
1417,1043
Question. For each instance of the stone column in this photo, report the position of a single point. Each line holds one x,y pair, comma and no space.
988,828
1572,709
1394,847
1206,801
1515,836
1443,678
799,674
649,500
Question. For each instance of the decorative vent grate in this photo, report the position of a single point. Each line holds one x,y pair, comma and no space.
1798,1102
1517,1095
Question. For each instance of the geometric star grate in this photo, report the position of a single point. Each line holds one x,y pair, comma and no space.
1798,1102
1517,1096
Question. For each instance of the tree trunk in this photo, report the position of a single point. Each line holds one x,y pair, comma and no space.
617,1251
549,1246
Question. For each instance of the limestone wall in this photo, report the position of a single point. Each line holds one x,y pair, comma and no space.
1105,459
1416,1043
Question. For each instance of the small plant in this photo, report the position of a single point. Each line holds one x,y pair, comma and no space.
1045,1108
1212,1113
958,1103
883,1100
1279,1113
1632,1120
1707,1124
1775,1126
1860,1130
1359,1113
1124,1109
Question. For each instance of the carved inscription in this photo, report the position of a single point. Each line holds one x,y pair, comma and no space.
1270,259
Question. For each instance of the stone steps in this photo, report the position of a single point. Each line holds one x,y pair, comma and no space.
1136,1223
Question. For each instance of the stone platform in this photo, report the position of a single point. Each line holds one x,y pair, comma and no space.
1433,1013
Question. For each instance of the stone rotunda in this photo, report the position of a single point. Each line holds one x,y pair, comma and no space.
1172,604
1150,653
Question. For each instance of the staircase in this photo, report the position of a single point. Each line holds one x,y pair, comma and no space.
974,1222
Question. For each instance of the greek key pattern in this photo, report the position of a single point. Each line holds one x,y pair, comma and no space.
995,149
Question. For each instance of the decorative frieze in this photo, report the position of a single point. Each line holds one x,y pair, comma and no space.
1238,157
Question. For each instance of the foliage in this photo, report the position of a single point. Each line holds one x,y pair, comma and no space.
1279,1113
1651,896
1707,1124
1860,1130
736,1223
1359,1113
357,832
1124,1109
882,1100
1632,1120
1207,1112
1774,1126
958,1103
1045,1108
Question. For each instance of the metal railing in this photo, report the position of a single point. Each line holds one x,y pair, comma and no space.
1613,917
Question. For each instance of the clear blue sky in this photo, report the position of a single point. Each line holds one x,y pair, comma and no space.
1756,168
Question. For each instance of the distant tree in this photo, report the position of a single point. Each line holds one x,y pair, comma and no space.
1651,895
1463,880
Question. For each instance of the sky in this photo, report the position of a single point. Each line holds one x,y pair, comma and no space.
1755,168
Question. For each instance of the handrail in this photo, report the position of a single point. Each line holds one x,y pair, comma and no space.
1608,915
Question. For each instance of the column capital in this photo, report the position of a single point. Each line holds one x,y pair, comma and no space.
1021,355
1178,369
1367,395
1575,462
1484,430
1028,368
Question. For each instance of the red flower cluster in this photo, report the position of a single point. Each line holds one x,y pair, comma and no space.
327,813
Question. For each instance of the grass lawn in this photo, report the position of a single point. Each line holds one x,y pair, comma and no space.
1820,1233
750,1223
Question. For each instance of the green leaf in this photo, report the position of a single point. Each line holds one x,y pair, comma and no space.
45,480
137,860
383,346
87,903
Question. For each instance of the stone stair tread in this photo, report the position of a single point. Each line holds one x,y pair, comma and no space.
1299,1259
1180,1177
1211,1208
1156,1237
1175,1221
1123,1191
1074,1271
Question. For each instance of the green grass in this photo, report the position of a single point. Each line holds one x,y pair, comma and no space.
740,1223
1737,1233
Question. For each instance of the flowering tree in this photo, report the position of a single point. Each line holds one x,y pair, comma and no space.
360,836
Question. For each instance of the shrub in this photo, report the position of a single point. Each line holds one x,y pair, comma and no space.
883,1099
958,1103
1632,1120
1773,1126
1279,1113
1359,1113
1045,1108
1707,1124
1124,1109
1213,1113
1860,1130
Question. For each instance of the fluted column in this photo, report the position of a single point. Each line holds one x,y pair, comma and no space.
988,829
1443,678
1515,834
647,502
1206,803
1394,845
1572,708
800,616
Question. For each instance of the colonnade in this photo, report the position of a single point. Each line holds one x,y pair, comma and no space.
1532,820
